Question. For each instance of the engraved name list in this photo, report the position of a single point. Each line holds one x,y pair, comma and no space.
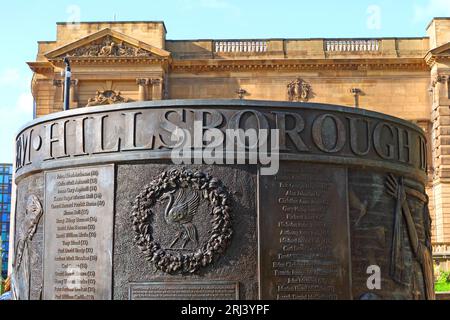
78,233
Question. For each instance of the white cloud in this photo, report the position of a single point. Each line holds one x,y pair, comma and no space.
433,8
9,77
25,103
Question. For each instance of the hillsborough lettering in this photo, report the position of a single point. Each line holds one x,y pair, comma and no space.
148,131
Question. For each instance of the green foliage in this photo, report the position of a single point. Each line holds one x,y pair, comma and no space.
443,283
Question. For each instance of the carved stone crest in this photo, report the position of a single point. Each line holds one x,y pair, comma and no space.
109,47
106,97
181,191
299,90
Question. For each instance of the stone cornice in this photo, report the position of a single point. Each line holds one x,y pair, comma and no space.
205,65
302,64
41,66
51,65
439,54
431,59
110,60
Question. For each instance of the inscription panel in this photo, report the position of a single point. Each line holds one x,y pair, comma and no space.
304,234
212,290
325,134
78,233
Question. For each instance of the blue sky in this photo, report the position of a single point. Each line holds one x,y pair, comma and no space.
24,23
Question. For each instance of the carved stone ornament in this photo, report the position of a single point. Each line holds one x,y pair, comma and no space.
184,189
107,97
109,47
438,79
299,90
241,93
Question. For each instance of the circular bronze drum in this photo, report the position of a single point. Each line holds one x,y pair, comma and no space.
221,199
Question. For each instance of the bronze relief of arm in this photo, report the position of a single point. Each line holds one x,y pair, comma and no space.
398,191
411,226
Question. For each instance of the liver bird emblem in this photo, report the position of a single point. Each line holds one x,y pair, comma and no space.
181,211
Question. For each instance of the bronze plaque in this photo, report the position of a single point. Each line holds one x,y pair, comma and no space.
184,290
280,237
78,233
304,233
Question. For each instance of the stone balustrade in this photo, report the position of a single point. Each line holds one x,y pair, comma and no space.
411,48
441,248
240,46
353,45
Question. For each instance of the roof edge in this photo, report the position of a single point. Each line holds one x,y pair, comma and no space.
114,22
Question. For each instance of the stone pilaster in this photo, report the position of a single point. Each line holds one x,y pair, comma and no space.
73,94
439,36
143,89
157,89
58,94
441,154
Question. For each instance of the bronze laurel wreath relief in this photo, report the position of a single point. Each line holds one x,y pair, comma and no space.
183,189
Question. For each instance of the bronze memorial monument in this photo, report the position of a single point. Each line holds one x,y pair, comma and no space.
103,211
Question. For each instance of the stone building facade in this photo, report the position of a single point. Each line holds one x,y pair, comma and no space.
409,78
